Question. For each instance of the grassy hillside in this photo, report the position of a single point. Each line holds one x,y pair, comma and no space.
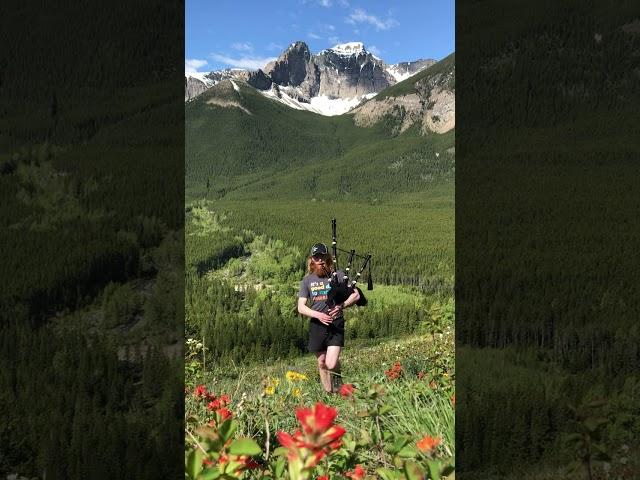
242,145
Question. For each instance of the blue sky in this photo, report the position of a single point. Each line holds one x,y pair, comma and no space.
247,34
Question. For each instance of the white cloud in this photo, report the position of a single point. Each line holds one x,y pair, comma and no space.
375,50
242,62
344,3
192,65
330,27
325,3
274,46
334,40
242,46
314,36
360,16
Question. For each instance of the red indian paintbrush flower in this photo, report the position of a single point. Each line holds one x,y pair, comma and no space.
318,437
427,444
224,413
358,473
347,389
200,391
394,372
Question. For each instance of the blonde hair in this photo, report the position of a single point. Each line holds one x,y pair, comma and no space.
328,263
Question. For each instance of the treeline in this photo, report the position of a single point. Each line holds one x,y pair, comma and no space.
598,330
411,243
564,64
53,202
548,234
376,172
231,154
73,408
253,326
91,190
241,293
224,142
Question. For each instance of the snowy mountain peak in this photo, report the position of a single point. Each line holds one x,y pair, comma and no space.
349,48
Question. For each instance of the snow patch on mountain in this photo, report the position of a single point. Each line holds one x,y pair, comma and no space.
398,75
322,105
348,49
336,106
201,77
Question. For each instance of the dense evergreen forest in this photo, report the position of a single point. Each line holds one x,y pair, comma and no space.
92,251
241,289
547,334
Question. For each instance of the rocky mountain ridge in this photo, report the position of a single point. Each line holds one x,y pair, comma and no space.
330,82
427,98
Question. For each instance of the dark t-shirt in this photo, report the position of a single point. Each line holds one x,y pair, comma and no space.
316,289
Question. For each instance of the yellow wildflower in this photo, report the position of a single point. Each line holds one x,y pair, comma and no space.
271,382
296,392
270,390
295,376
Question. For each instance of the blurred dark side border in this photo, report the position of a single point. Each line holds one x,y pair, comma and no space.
547,239
91,239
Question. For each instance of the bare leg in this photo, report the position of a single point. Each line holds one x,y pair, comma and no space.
332,362
325,376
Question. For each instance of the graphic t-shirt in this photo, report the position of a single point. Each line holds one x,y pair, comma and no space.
316,289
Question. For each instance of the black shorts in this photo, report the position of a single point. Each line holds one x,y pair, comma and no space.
322,336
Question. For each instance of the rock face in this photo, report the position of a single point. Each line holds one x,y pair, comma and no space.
197,83
431,102
344,71
193,87
258,79
227,74
295,68
347,74
330,82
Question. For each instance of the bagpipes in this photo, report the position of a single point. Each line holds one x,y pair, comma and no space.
341,289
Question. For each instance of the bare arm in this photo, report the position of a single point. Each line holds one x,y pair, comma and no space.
311,313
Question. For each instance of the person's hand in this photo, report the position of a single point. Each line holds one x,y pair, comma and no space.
335,311
324,318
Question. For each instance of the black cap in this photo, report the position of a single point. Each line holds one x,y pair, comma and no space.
319,249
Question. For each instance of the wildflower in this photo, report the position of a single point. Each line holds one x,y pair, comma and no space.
427,444
323,477
200,391
206,462
246,463
358,473
214,405
295,376
347,389
420,375
319,435
394,372
270,390
224,413
296,392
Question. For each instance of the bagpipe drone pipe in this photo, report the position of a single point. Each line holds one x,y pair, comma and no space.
342,288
